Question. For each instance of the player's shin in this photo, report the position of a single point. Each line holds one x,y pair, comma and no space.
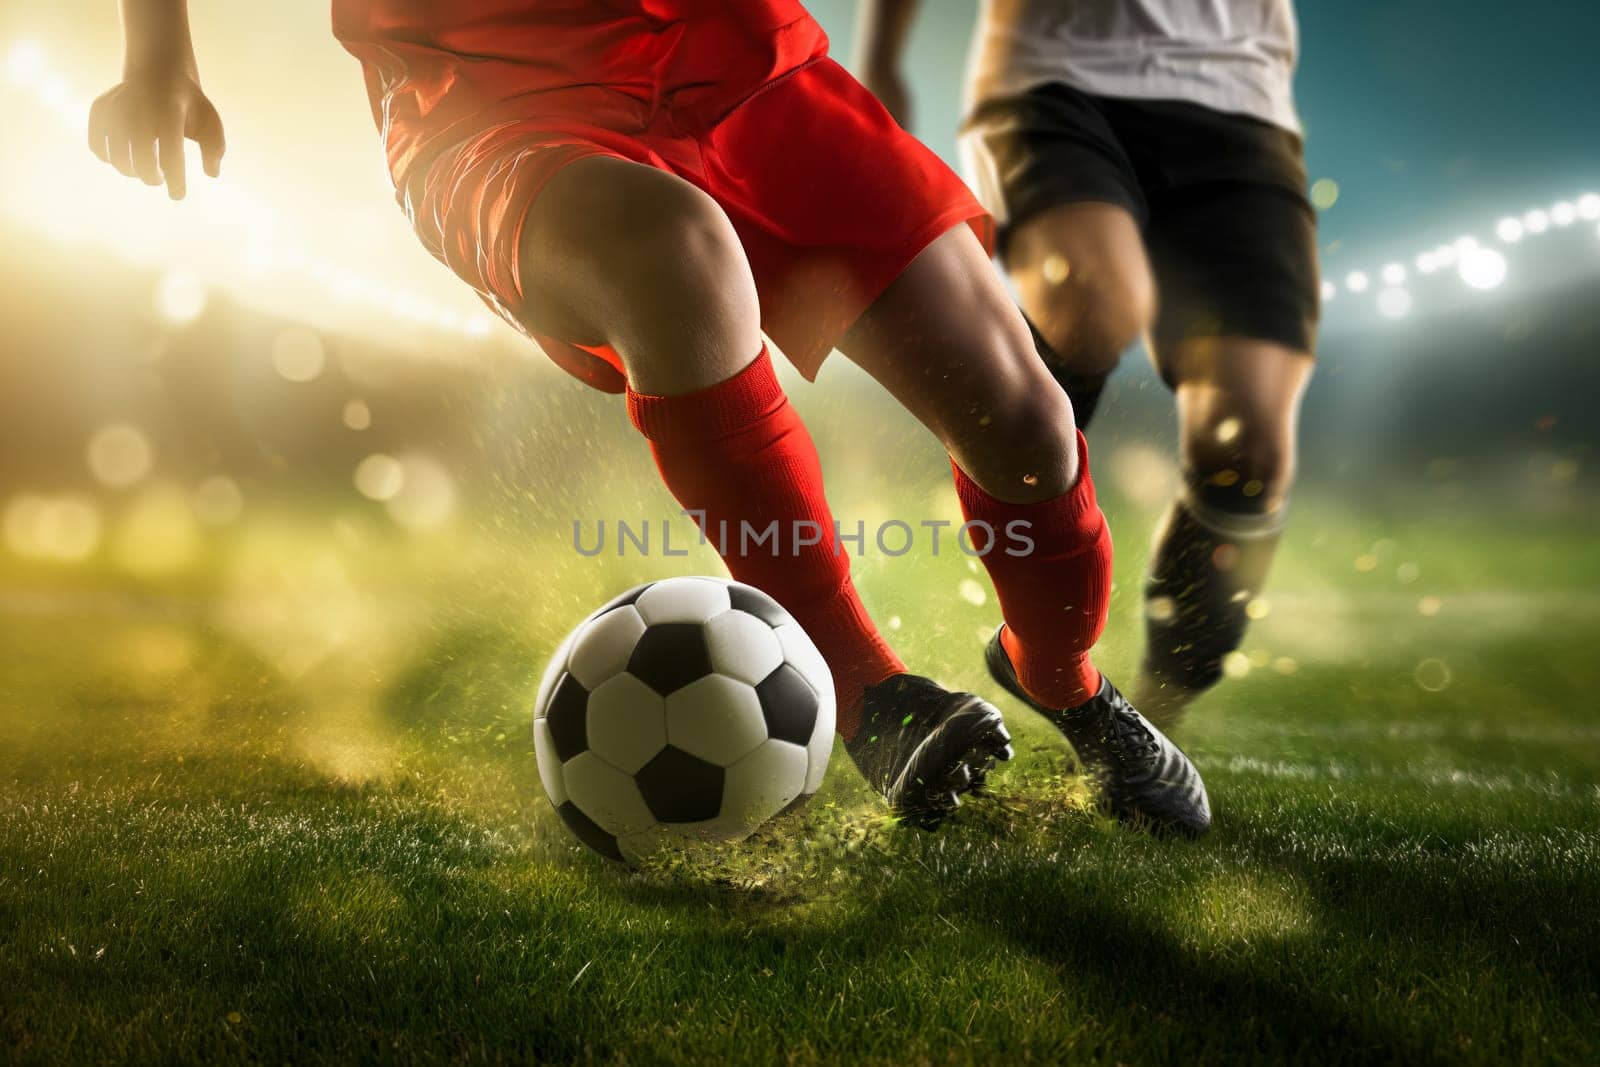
737,457
1209,565
1050,562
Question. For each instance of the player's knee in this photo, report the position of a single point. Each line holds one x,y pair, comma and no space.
1091,321
680,260
1025,441
1233,467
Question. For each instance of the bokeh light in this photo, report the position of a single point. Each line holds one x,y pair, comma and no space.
120,455
425,497
380,477
218,500
1483,268
159,535
63,527
356,415
1356,281
1509,230
1394,303
298,355
180,296
1433,675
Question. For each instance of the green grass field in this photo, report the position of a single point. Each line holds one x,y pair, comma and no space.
280,804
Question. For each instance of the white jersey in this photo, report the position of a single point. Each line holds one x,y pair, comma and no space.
1230,55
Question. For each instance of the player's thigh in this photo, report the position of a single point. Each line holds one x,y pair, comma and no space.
1238,409
1234,259
1082,276
624,254
946,340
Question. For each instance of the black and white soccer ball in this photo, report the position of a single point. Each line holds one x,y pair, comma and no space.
689,708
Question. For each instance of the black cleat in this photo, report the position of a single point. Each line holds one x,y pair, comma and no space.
1138,774
922,746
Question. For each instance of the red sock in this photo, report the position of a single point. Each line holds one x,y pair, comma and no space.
738,452
1054,598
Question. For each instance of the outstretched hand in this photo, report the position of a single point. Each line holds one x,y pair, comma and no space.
140,125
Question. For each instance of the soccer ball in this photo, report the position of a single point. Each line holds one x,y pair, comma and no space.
689,708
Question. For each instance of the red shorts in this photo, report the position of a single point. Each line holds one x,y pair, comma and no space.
830,198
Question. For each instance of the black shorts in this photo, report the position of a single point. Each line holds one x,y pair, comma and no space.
1231,237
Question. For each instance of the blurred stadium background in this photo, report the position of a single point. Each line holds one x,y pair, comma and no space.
281,337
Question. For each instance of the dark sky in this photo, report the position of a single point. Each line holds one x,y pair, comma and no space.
1434,116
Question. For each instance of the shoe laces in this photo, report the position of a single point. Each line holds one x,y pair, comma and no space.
1129,737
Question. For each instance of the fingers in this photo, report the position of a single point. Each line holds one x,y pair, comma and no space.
121,154
142,151
97,131
205,126
169,147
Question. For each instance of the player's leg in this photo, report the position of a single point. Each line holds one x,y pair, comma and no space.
1083,281
1237,266
624,255
1238,404
1052,169
948,343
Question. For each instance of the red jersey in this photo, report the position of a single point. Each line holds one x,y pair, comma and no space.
433,64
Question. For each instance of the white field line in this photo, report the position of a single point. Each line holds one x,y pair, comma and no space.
1415,730
1550,785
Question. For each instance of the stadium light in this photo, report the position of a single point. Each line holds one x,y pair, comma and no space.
1356,281
1329,291
1589,206
1509,230
1483,269
1536,221
1394,274
1563,213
